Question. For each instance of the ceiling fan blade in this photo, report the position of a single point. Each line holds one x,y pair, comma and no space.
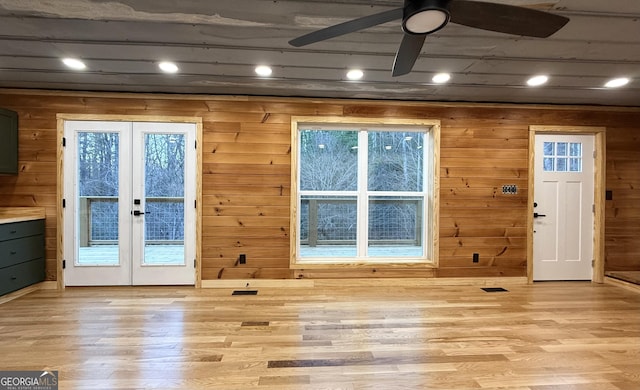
347,27
504,18
407,54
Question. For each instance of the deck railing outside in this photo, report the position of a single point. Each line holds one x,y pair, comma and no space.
324,221
332,221
164,217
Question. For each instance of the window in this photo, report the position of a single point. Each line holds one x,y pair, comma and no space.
562,157
364,193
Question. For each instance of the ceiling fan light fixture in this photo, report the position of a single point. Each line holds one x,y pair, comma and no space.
536,81
617,83
425,16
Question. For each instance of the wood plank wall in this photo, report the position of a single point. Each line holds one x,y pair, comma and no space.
246,176
622,215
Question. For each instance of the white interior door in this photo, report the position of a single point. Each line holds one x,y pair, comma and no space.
129,189
563,207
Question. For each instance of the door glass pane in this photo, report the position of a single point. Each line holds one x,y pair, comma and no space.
395,226
328,226
575,149
328,160
164,199
548,148
395,161
575,165
548,164
97,203
561,149
561,165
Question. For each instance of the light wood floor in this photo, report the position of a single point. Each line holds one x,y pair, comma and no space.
539,337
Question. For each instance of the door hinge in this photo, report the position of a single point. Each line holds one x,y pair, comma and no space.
593,208
593,263
594,154
194,263
64,203
195,204
64,142
195,145
64,264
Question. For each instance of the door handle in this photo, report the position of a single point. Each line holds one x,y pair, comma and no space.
137,213
536,215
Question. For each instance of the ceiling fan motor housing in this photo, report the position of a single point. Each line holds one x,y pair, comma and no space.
425,16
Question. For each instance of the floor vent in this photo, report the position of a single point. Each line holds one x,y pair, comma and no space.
494,289
245,292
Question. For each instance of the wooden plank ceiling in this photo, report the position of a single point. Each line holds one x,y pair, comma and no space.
217,45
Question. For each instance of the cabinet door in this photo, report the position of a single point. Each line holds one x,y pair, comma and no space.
9,144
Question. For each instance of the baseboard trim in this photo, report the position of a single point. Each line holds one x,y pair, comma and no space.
622,283
258,283
378,282
48,285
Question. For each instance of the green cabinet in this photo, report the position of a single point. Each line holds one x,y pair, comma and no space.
9,142
22,254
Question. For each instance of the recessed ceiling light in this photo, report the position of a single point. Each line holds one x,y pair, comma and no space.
441,78
355,74
263,71
537,80
388,147
615,83
168,67
321,146
74,63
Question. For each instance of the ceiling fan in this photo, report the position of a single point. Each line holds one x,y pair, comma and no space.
423,17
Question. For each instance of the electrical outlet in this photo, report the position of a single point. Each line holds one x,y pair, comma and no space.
476,257
242,259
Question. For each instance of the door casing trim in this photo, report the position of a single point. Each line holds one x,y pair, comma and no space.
599,185
62,117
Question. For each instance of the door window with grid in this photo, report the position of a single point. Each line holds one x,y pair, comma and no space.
562,157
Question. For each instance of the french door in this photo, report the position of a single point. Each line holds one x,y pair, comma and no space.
129,193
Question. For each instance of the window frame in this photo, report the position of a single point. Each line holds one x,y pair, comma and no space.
430,233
